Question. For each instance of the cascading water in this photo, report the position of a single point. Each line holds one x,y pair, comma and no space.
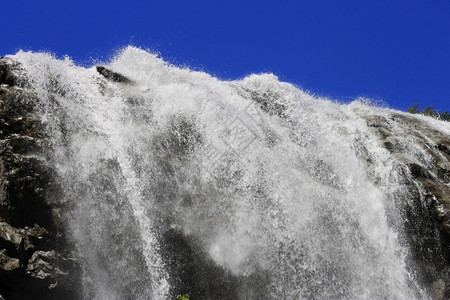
181,183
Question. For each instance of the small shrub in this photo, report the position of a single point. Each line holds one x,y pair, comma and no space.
414,109
445,115
429,111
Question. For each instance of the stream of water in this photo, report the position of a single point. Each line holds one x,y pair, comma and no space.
255,178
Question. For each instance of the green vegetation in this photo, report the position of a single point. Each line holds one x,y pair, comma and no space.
297,295
429,111
183,297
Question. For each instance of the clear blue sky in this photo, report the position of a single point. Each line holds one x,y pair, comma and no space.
395,51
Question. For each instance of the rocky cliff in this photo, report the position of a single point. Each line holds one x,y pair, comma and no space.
426,183
36,261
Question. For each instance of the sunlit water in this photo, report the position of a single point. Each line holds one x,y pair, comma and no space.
270,182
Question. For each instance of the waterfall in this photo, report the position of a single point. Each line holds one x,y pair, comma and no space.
178,182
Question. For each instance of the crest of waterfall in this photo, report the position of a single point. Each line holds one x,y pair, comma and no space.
174,176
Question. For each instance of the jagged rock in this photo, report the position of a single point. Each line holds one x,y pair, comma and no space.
31,222
427,219
6,76
10,234
35,238
8,264
376,121
41,264
113,76
268,101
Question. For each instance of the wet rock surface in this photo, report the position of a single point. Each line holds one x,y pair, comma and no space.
113,76
35,260
426,207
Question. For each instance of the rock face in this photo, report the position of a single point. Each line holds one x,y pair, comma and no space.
426,183
113,76
35,262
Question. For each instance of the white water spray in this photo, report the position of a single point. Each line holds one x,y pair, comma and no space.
265,181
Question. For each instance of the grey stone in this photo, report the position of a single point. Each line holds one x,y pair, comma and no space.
426,179
10,234
8,263
32,234
42,264
113,76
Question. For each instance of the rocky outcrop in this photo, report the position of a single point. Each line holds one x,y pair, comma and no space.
35,260
426,186
113,76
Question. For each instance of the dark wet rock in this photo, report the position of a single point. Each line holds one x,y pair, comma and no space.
268,101
426,207
6,75
325,174
8,264
194,272
115,250
418,171
42,265
443,148
113,76
9,234
33,247
180,140
25,194
35,238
